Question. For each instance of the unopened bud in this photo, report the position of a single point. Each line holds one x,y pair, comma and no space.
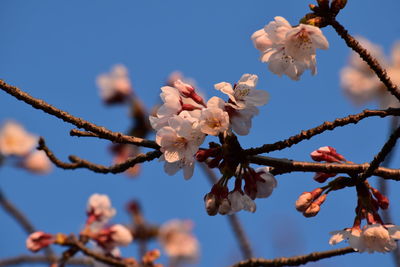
304,201
210,202
321,177
312,210
38,240
328,154
337,5
383,201
151,256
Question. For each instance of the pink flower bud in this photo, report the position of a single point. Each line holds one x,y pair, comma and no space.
184,88
210,202
321,177
312,210
38,240
304,201
328,154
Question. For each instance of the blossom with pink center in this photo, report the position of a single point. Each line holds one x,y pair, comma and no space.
289,50
180,140
244,94
38,240
214,120
328,154
178,241
266,184
115,87
114,236
37,162
372,238
99,209
15,141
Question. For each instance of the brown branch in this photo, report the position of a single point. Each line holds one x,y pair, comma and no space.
239,233
78,163
366,56
39,259
380,157
307,134
282,166
294,261
23,221
78,122
79,133
74,242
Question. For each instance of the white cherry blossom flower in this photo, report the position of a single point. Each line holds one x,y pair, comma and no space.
241,119
289,50
362,85
178,241
15,141
179,140
372,238
244,93
214,120
115,87
112,237
99,209
187,165
240,201
37,162
265,187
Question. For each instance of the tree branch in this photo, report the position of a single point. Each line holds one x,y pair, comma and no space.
308,134
78,163
380,157
39,259
282,166
23,221
78,122
294,261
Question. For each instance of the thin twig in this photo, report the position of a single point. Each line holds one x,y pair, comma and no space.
23,221
39,259
366,56
307,134
74,242
380,157
241,237
282,166
78,163
78,122
294,261
382,187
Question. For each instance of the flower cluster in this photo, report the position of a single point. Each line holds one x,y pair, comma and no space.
289,50
361,84
16,142
375,235
184,119
115,87
259,183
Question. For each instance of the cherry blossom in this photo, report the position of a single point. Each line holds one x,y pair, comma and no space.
15,141
37,162
115,87
372,238
266,184
214,120
240,201
328,154
99,209
289,50
362,85
243,93
114,236
38,240
178,241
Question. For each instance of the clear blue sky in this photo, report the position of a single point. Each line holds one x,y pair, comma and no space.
54,50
